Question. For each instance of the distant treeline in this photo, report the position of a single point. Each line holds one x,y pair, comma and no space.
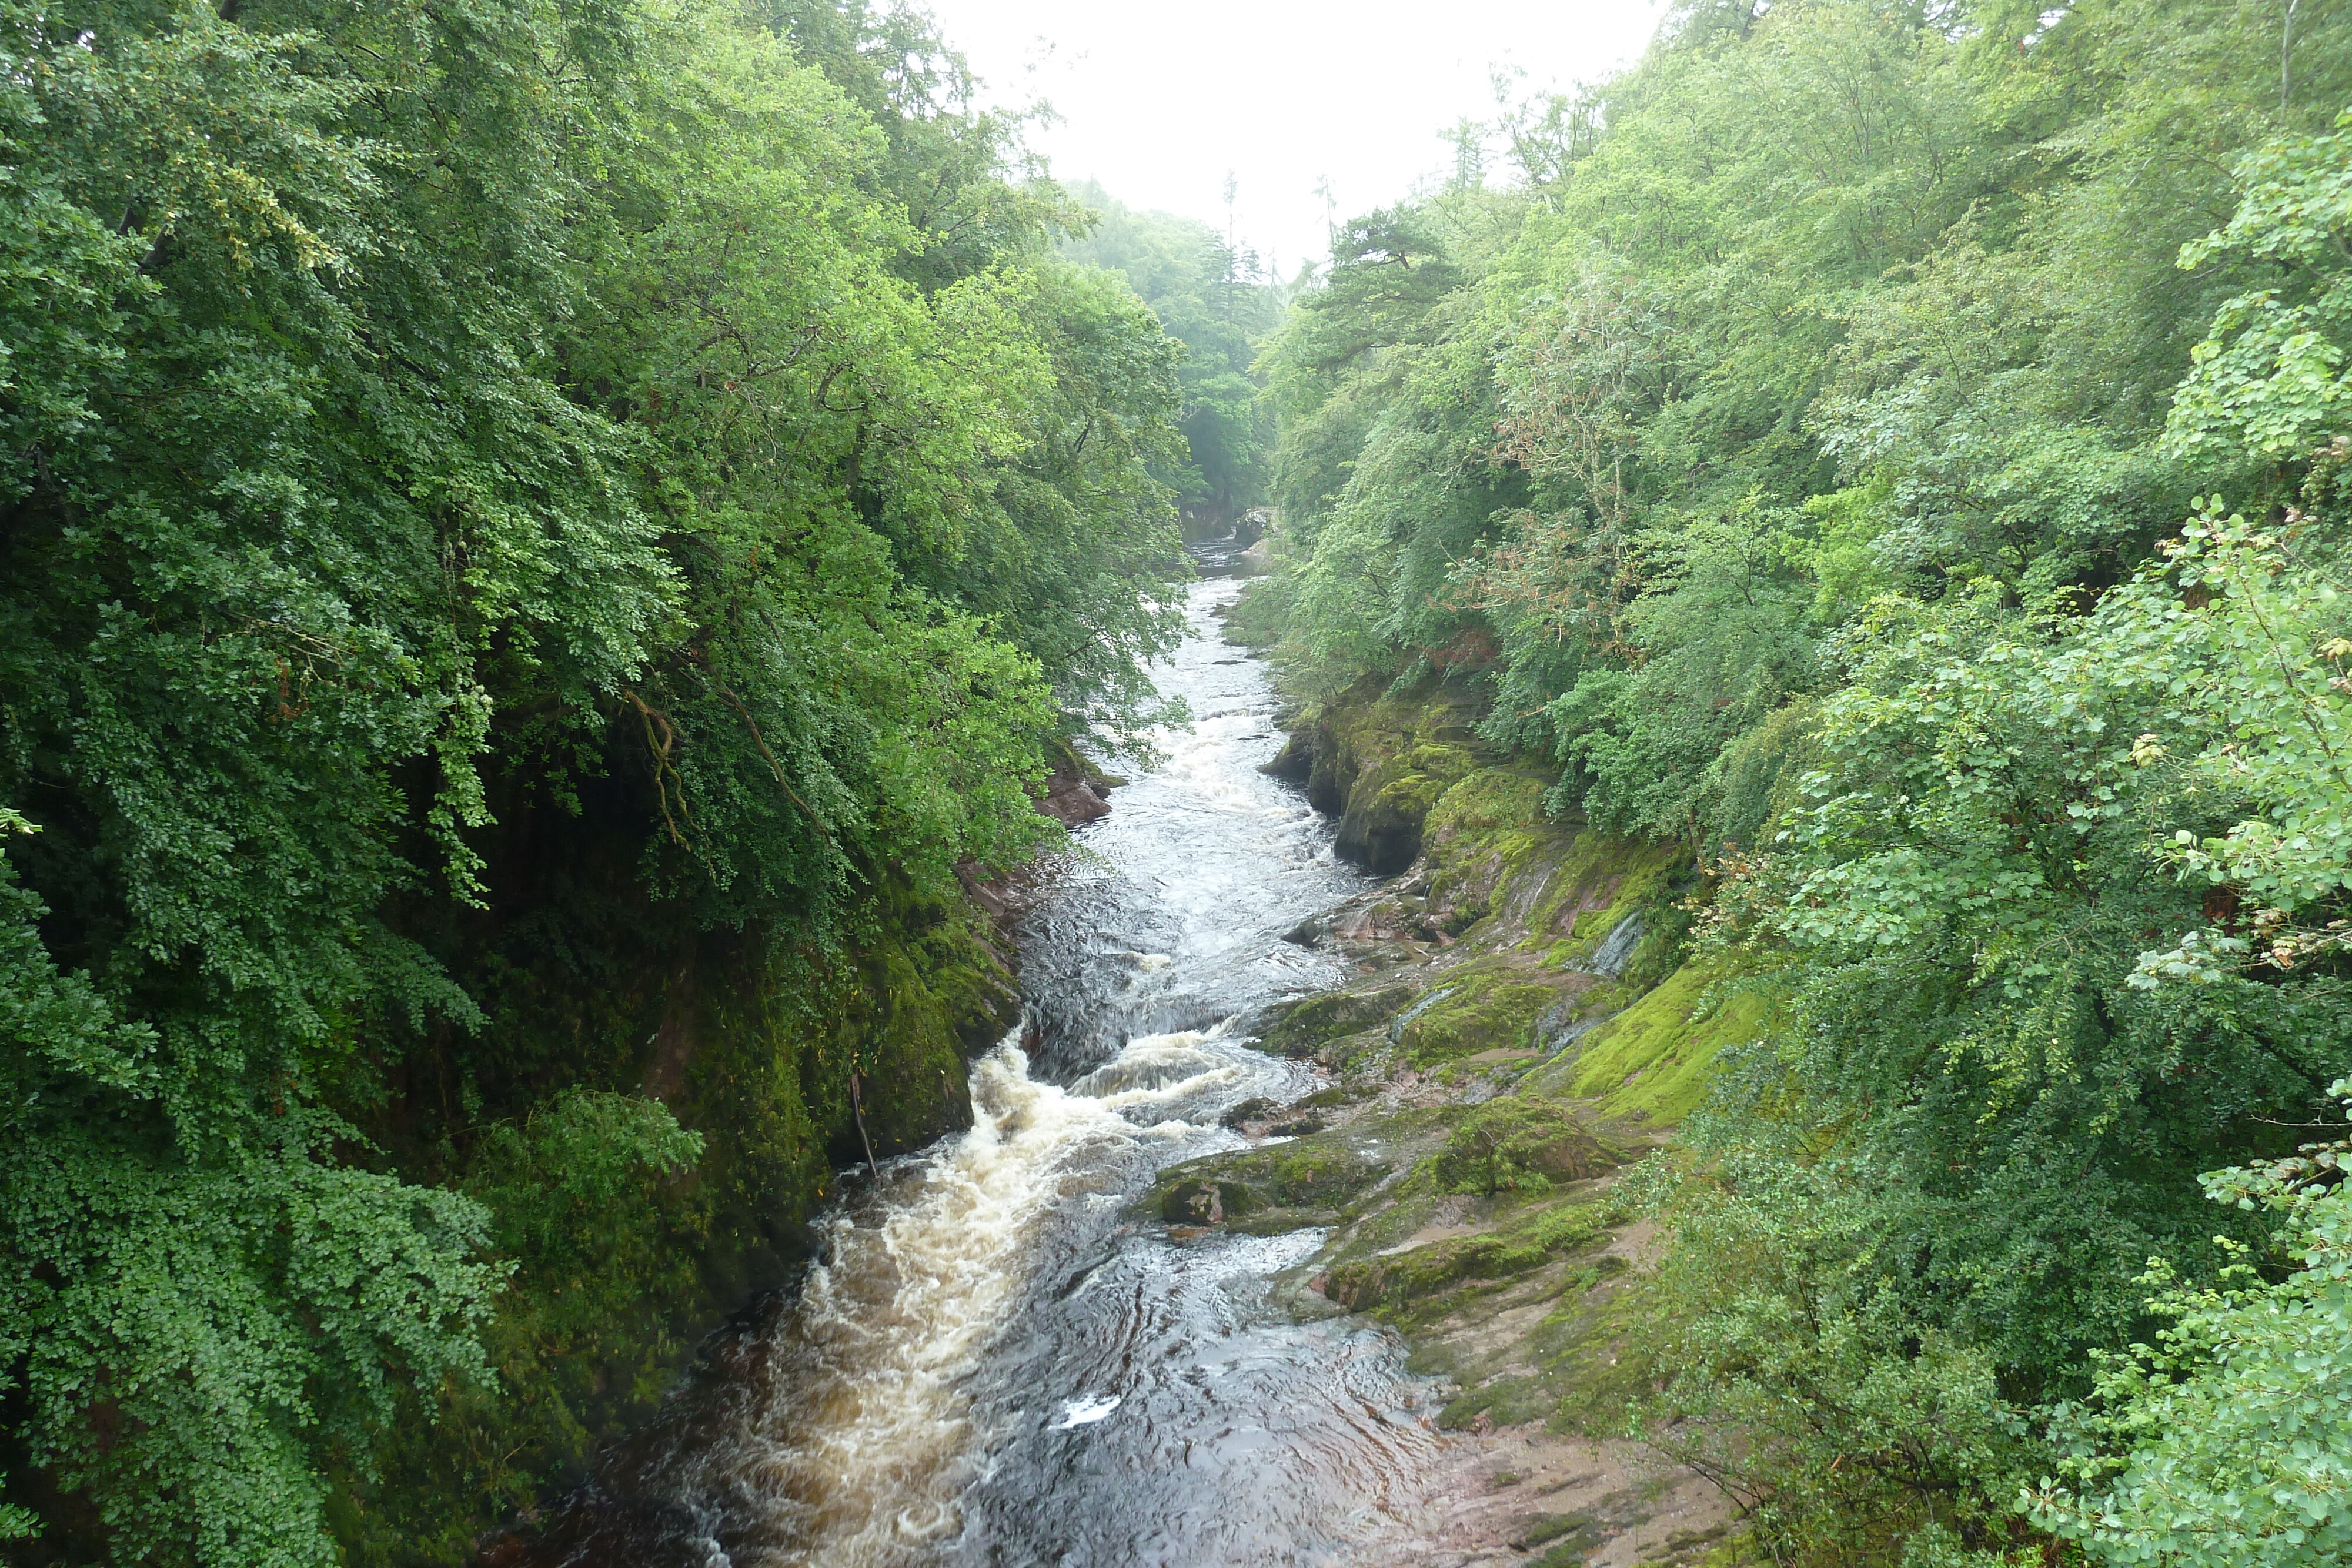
538,542
1903,452
1212,297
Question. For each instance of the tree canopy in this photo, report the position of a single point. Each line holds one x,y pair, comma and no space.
450,448
1900,454
1212,297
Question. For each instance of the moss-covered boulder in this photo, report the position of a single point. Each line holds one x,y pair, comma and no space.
1297,1029
1379,759
1309,1179
1490,848
1202,1200
1294,763
1518,1144
1382,827
1481,1010
1256,1108
1394,1282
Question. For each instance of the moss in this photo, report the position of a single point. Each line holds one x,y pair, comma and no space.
1602,880
1592,1356
749,1043
1653,1060
1491,802
1518,1143
1486,1007
1067,761
1203,1201
1319,1173
1546,1527
1314,1173
1382,757
1297,1029
1491,822
1582,1539
1389,803
1394,1284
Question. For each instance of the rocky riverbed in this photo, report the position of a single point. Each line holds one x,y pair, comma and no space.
1516,1029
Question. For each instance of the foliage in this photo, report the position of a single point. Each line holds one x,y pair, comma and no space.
497,499
1898,452
2229,1439
1216,300
1796,1372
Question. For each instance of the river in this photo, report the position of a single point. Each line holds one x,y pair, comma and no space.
994,1361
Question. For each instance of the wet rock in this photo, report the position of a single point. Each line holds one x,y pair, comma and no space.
1616,949
1307,933
1072,802
1486,1006
1569,1020
1298,1126
1297,1029
1397,1024
1398,1281
1329,772
1380,827
1257,1108
1073,790
1207,1201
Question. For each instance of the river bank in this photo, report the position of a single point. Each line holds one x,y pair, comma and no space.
1516,1029
1253,1087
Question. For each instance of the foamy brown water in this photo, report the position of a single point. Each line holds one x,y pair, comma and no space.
876,1438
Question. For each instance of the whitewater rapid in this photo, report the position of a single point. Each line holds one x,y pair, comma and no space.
996,1359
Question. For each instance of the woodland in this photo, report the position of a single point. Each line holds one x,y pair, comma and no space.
1903,454
546,545
539,543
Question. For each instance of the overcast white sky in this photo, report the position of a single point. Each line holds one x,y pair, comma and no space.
1159,101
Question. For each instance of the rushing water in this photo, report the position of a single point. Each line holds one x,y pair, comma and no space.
992,1364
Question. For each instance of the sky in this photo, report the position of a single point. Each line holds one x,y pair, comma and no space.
1160,102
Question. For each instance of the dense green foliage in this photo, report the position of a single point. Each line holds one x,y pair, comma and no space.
1902,452
1211,298
520,525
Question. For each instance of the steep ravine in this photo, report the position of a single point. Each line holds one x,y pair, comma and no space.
1253,1087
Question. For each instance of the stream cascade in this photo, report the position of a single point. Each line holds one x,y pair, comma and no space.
995,1359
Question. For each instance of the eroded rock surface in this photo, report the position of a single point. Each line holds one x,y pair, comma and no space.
1520,1028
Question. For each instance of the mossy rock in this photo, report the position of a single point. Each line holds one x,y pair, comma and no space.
1297,1029
1516,1144
1395,1283
1206,1201
1574,1535
1602,880
1493,1009
1487,835
1381,828
1321,1172
1656,1060
1316,1173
